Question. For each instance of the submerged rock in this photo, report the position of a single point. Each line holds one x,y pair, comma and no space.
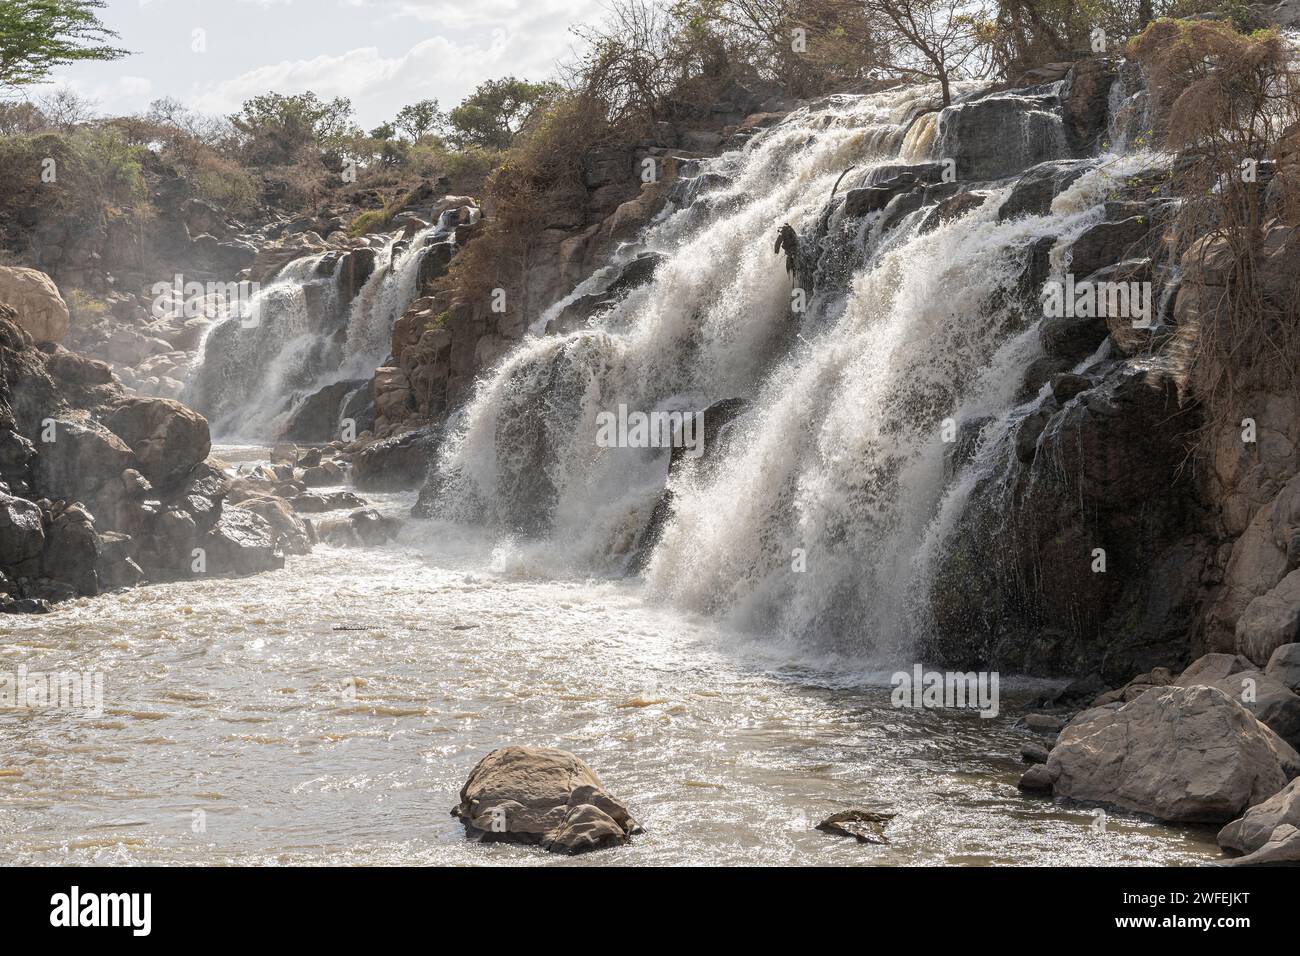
542,796
865,826
1181,754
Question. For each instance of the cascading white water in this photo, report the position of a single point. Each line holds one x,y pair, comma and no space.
254,370
812,526
383,298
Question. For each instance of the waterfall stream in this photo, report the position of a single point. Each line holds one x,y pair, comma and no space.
814,525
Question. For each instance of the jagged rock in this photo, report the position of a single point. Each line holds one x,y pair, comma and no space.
117,567
950,209
1181,754
39,309
542,796
1085,102
168,438
319,417
1072,337
1284,666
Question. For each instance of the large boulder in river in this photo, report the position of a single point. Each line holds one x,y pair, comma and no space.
168,438
542,796
40,309
1182,754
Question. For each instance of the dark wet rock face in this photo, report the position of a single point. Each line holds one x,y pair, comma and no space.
1084,580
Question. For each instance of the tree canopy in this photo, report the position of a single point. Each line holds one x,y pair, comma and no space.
38,35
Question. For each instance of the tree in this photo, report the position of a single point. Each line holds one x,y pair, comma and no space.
939,40
38,35
419,119
279,128
497,110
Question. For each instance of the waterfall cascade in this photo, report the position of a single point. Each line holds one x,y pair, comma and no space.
818,519
311,332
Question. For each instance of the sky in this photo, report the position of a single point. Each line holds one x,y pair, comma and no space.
381,54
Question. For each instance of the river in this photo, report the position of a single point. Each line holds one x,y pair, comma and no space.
329,712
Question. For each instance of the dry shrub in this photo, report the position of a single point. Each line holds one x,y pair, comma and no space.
538,185
1224,101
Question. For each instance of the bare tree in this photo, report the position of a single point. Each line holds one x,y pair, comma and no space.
941,40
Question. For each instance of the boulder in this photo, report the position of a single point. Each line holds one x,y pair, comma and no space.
1107,243
291,534
78,369
22,536
1182,754
1282,849
397,463
241,543
542,796
72,550
41,311
999,135
1255,827
1033,192
319,417
1284,666
1270,621
81,461
1272,702
1210,668
168,438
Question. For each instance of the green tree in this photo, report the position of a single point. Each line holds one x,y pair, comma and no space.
497,110
38,35
279,128
420,118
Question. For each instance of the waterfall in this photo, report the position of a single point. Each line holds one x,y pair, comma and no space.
298,336
815,524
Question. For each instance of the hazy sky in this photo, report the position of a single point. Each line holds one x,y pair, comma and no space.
382,54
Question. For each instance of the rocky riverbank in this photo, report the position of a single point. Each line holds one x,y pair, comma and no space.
102,488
